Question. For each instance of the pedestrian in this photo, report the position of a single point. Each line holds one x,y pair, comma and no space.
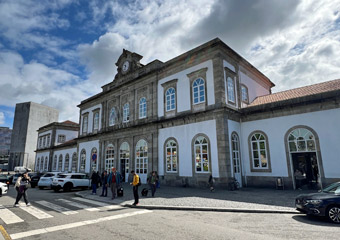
104,184
21,186
211,183
152,181
135,184
114,181
94,182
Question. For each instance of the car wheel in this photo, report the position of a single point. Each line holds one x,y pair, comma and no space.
333,214
67,187
41,188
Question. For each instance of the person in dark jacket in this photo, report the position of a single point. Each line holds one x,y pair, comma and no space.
114,181
94,182
104,184
21,187
152,181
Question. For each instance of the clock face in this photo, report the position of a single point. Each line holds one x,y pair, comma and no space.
126,66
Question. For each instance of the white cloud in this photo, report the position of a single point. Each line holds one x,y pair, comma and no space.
2,118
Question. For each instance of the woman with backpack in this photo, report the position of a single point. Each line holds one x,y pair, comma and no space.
21,186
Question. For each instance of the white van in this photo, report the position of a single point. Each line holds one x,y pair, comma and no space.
21,169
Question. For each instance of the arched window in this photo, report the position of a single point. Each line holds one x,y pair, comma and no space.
112,118
301,140
124,156
46,163
198,90
244,94
142,157
171,156
94,159
74,162
55,163
96,121
126,112
142,108
170,96
109,157
201,150
259,151
82,161
235,152
60,163
41,164
231,89
67,163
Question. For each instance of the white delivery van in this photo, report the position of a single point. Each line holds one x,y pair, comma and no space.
21,169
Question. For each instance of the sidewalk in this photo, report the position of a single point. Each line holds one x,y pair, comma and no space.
180,198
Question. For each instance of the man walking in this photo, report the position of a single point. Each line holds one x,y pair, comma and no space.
114,181
104,183
135,183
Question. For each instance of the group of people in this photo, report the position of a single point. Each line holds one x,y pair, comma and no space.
111,180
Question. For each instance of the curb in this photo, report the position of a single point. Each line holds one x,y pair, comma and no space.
202,209
3,234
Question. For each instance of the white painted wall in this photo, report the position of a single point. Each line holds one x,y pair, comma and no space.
254,88
90,117
184,88
63,152
184,135
69,135
88,146
324,123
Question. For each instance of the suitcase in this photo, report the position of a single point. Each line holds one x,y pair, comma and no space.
144,192
120,192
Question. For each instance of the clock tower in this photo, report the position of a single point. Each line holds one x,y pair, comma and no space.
127,63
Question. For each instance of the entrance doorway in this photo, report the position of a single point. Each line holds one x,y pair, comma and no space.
236,158
306,171
122,169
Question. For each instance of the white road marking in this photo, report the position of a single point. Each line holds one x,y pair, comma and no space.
74,225
8,217
97,203
79,205
56,207
35,211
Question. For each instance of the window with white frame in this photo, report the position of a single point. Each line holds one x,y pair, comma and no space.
60,163
126,112
124,155
94,159
41,164
61,138
44,141
38,164
55,163
74,162
142,108
67,163
85,124
170,96
141,157
198,90
231,90
301,140
40,142
259,151
96,121
171,156
82,161
244,94
112,117
235,153
109,157
201,150
46,163
48,140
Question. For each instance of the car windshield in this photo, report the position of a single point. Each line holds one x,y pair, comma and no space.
333,188
48,175
62,176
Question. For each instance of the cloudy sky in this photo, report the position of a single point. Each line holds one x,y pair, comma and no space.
60,52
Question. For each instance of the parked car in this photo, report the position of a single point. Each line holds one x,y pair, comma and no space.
324,203
35,179
3,188
68,181
46,179
4,178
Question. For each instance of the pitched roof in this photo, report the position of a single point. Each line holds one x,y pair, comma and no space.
297,93
69,122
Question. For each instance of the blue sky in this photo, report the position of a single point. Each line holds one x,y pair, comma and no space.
59,53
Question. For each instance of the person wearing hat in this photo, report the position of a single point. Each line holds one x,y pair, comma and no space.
113,181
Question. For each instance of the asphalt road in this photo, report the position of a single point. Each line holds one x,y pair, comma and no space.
114,222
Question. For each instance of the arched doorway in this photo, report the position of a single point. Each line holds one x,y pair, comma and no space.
124,156
305,161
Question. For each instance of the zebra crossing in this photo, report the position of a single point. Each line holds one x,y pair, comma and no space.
11,215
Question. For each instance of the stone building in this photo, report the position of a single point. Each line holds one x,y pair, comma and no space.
209,112
5,144
28,118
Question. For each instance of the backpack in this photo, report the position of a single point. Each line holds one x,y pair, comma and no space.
144,192
139,182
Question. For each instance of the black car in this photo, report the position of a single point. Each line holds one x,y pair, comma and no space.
325,203
35,177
